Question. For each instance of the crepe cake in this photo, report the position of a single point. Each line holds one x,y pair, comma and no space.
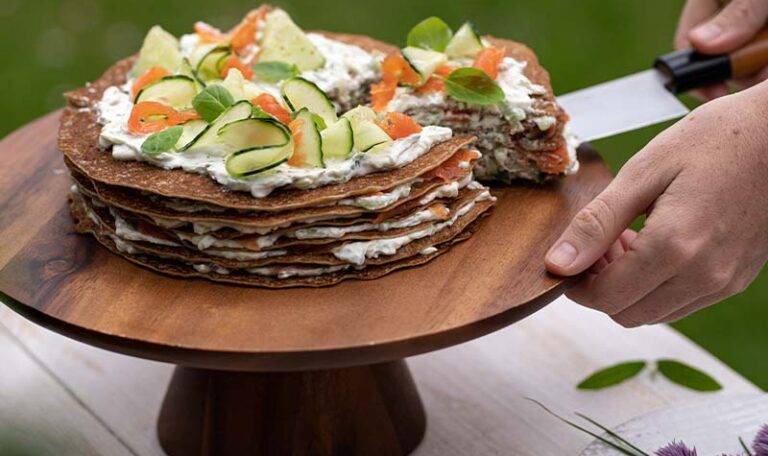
484,86
185,163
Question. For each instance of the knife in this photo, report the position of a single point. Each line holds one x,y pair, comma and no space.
648,97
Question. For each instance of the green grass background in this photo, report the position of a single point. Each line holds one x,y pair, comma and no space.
53,45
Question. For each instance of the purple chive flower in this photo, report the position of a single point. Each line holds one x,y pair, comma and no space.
760,445
676,449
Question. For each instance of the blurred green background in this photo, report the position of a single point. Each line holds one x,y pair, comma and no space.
54,45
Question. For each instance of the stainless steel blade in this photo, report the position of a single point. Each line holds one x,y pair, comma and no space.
621,105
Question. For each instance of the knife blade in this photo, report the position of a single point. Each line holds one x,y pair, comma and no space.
649,97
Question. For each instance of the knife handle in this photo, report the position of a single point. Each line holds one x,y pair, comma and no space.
688,69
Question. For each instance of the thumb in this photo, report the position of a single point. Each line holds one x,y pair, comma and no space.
600,223
736,24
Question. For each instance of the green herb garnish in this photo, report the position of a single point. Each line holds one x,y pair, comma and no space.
273,72
687,376
431,33
212,101
473,86
612,375
162,141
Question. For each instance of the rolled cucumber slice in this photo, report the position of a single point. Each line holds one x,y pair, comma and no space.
310,147
338,139
160,48
424,62
209,67
175,91
466,43
210,137
359,114
248,163
300,93
284,41
249,134
369,135
192,130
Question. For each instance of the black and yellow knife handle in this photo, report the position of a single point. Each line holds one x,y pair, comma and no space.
688,69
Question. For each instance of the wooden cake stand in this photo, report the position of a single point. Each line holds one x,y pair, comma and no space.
276,372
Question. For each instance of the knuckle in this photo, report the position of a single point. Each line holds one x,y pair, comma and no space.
594,220
716,280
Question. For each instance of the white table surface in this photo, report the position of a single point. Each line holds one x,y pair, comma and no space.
105,403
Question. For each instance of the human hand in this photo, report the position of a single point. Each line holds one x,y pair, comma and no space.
712,29
703,184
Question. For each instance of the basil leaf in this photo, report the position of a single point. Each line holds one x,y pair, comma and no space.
258,113
687,376
273,72
612,375
431,33
212,101
473,86
162,141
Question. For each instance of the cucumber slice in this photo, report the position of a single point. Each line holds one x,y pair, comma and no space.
209,67
192,130
424,62
300,93
310,148
210,137
249,134
186,69
338,139
174,91
466,43
284,41
160,48
248,163
369,135
239,87
360,114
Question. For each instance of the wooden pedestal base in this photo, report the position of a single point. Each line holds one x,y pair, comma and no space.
369,410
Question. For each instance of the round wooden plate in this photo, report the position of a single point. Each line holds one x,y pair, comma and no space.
69,283
323,369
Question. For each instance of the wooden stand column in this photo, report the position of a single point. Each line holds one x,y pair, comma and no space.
369,410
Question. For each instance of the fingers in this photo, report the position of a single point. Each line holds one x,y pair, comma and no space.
731,28
640,271
694,13
669,298
599,224
709,93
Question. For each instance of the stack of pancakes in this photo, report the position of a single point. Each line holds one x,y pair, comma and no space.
186,224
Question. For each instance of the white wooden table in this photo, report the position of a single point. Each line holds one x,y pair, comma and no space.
104,403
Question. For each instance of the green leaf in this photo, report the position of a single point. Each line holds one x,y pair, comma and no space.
162,141
473,86
431,33
273,72
212,101
687,376
258,113
612,375
319,121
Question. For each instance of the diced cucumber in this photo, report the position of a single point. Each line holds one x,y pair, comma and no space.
369,135
192,130
359,114
338,139
300,93
238,111
424,62
249,134
252,162
466,43
310,147
175,91
209,68
160,48
284,41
